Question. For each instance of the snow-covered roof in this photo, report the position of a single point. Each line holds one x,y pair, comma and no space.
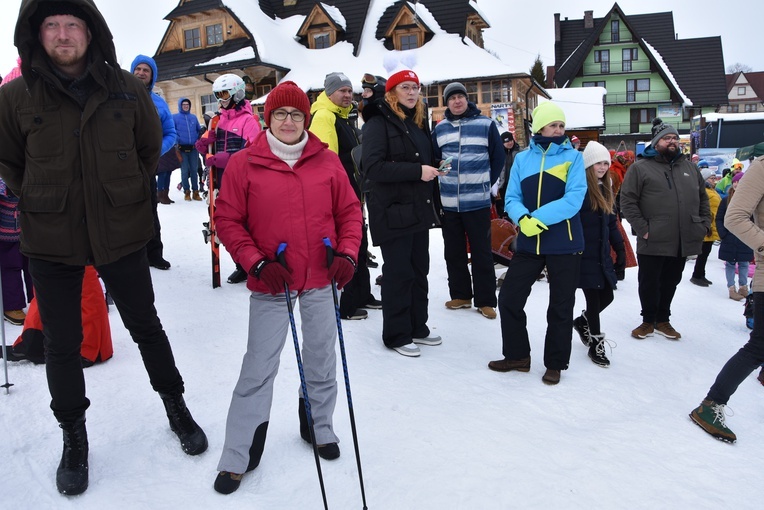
336,15
659,60
433,62
584,107
731,117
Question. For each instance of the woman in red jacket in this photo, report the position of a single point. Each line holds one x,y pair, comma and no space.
287,187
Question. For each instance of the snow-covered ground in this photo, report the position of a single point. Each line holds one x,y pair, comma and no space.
436,432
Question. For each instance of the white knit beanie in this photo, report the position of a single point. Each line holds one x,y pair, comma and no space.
594,153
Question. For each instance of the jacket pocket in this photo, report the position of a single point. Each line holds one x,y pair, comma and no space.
127,214
43,130
114,121
700,228
401,216
45,225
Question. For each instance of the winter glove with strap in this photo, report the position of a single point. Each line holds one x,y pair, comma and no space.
342,269
272,274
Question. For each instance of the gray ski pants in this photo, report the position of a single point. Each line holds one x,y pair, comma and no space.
253,394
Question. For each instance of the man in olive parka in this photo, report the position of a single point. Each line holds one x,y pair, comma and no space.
81,140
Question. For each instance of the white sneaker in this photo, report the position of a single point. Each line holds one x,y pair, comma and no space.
430,340
409,350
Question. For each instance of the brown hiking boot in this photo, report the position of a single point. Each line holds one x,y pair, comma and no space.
196,196
667,330
734,294
187,196
459,303
506,365
487,312
15,317
551,376
643,331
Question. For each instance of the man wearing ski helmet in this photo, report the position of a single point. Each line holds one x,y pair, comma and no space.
232,129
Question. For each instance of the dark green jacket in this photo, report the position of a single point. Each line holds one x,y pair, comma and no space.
82,174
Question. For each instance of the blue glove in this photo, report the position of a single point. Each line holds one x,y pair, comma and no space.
530,226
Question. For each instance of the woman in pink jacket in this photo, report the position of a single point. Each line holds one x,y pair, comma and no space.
287,187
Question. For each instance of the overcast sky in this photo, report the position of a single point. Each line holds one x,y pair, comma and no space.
519,30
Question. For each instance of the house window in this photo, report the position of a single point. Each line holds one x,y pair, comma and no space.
209,104
431,95
646,115
602,57
615,31
472,92
496,91
214,34
193,38
741,91
321,40
409,42
732,108
261,90
628,55
634,86
594,84
750,108
689,113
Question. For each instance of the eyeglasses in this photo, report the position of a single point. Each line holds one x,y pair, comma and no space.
297,115
408,89
670,138
223,94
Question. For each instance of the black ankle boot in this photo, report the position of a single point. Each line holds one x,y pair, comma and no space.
597,351
328,451
581,325
72,472
192,437
239,275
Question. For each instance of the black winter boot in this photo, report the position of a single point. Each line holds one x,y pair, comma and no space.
192,437
581,325
328,451
72,472
597,351
239,275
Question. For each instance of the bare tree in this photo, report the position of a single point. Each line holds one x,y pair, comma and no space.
738,67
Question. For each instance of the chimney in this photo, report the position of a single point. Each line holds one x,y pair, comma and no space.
557,27
588,19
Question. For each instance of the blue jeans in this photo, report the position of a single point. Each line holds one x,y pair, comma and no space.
188,169
742,273
163,181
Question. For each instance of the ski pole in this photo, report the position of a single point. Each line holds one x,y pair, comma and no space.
329,260
7,385
280,257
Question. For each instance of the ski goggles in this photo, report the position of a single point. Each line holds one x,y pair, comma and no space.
223,95
369,80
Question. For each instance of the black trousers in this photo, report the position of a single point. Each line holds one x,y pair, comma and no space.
58,288
155,248
358,290
475,225
744,361
404,289
658,278
700,263
562,271
596,301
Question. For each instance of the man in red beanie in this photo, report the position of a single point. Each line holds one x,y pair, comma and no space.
286,187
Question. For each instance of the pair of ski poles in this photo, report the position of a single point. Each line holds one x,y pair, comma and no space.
280,257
